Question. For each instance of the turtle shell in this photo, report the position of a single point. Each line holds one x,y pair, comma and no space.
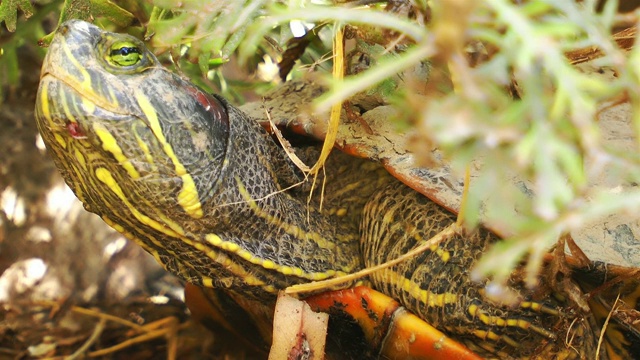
372,135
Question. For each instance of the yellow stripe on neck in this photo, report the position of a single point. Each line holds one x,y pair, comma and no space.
110,144
188,197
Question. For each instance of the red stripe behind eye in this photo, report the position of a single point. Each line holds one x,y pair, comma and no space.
209,103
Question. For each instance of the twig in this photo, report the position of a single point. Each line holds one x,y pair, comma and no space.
604,327
140,339
100,315
329,283
92,339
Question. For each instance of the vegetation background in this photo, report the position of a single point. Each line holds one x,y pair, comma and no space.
502,86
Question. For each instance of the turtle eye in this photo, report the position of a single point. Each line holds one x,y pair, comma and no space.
124,53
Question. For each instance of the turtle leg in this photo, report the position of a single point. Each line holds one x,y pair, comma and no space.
614,300
436,284
231,320
388,330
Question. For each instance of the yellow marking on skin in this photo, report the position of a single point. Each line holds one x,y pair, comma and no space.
86,78
436,249
114,98
171,224
232,247
348,188
44,103
70,169
110,144
427,297
207,282
438,300
60,140
80,157
444,255
290,229
240,272
151,250
472,309
475,311
509,340
181,270
535,306
490,335
388,217
133,238
530,305
145,149
523,324
216,241
230,265
165,222
89,107
105,176
245,254
65,107
188,196
486,335
539,330
480,334
223,260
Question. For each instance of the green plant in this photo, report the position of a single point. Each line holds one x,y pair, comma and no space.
546,135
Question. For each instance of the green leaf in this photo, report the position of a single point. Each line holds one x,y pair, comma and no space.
9,12
88,9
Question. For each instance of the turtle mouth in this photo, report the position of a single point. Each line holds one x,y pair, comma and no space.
64,108
86,94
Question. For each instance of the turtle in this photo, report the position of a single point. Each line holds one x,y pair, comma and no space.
214,198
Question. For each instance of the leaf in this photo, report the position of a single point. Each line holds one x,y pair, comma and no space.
295,49
9,12
88,9
111,11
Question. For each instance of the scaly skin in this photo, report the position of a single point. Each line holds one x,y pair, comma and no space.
179,178
210,195
436,285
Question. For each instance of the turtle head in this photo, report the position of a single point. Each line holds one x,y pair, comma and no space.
136,143
190,178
